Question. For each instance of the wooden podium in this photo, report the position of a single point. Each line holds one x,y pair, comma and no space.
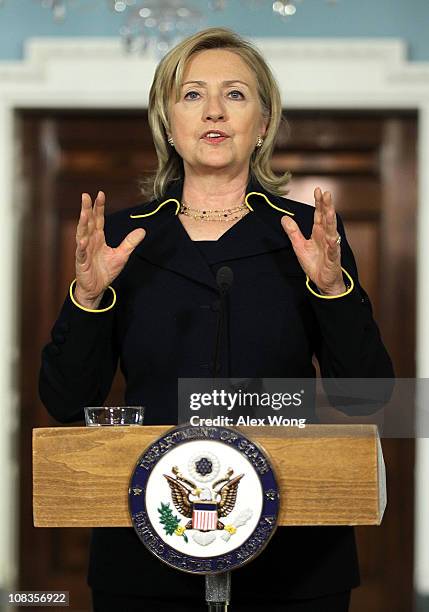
327,474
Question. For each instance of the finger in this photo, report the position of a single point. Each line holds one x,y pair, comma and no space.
333,251
330,218
82,226
294,233
81,251
85,212
100,201
130,241
87,206
318,195
91,222
86,201
318,217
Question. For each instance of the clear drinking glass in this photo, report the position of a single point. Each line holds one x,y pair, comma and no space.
96,416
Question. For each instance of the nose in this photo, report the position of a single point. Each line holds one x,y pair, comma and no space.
214,109
214,116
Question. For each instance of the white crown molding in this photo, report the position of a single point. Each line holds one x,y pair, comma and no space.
360,64
390,49
39,49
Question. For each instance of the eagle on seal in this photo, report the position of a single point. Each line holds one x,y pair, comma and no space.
204,506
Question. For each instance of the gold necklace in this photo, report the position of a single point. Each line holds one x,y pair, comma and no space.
222,214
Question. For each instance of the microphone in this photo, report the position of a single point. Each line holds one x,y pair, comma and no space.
224,280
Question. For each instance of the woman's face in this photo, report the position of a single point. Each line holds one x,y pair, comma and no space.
218,92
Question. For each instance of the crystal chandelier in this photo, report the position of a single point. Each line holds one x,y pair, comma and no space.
158,25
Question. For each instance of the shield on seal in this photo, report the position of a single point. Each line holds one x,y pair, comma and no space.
204,516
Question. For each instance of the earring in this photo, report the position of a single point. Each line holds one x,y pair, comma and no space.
171,141
259,142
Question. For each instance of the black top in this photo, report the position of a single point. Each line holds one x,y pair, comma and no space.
211,250
207,248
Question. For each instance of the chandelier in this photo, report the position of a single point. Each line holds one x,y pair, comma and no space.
157,25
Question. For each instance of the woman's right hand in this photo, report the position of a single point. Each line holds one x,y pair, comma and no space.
97,264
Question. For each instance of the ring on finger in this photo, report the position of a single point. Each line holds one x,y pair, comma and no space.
338,240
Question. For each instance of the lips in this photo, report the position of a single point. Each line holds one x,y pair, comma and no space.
214,140
214,132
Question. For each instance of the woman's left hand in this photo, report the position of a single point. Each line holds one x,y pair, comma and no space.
320,256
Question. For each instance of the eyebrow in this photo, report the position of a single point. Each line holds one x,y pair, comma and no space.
230,82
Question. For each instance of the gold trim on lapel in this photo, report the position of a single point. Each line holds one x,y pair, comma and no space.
156,210
269,202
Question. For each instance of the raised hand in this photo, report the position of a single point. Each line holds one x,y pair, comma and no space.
320,255
97,264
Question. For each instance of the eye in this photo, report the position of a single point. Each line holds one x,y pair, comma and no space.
191,92
235,91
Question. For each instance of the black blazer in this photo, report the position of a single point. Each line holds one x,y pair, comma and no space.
163,327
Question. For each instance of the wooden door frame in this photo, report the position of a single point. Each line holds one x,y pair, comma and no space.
94,73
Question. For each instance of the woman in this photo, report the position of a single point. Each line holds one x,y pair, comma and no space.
145,293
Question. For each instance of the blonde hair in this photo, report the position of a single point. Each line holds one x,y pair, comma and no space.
168,78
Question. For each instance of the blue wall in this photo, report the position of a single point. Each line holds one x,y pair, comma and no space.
406,19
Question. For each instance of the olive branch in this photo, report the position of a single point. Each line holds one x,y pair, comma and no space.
170,522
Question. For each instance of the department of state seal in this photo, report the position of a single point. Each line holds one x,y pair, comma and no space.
204,499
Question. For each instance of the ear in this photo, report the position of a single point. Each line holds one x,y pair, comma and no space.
264,127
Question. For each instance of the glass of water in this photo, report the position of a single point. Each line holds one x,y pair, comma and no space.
96,416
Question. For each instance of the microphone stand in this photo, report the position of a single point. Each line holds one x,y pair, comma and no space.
218,591
224,279
218,586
